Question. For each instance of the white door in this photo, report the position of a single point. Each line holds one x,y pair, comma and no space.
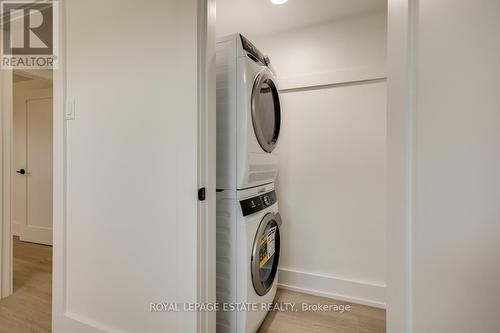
126,148
38,172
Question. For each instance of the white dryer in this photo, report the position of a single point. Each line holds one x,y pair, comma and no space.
248,252
248,115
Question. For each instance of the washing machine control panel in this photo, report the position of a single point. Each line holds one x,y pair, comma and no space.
258,203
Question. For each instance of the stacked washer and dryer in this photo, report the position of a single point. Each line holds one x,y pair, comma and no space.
248,221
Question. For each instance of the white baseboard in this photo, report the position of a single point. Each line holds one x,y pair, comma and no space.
331,287
16,228
39,235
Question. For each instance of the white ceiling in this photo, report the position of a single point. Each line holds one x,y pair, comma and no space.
259,17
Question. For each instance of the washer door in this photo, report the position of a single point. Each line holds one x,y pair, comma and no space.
266,111
266,253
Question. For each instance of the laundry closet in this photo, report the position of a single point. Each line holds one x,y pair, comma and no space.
301,153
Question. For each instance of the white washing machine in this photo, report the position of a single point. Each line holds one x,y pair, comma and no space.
248,115
248,251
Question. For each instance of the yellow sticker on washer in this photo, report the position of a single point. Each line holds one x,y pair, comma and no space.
267,247
263,255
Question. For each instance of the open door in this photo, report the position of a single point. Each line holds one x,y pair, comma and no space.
32,163
38,227
133,143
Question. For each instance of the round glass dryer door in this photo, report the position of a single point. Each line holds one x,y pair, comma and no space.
266,111
266,254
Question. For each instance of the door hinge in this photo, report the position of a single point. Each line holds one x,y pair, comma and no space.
202,195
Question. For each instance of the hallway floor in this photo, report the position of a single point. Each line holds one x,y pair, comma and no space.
29,308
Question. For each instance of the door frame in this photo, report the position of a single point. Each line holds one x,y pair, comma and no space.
206,263
401,110
206,169
6,258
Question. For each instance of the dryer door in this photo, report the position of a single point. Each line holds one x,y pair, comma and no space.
266,253
266,111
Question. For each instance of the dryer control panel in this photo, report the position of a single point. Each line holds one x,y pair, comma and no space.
251,49
258,203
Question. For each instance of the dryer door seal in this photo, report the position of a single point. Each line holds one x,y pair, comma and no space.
266,253
266,111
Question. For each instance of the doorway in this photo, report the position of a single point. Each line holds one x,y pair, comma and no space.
31,201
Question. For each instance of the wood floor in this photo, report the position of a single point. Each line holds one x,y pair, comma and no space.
361,319
29,308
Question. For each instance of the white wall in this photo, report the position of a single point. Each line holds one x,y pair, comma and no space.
21,91
346,50
332,181
129,236
444,106
457,163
